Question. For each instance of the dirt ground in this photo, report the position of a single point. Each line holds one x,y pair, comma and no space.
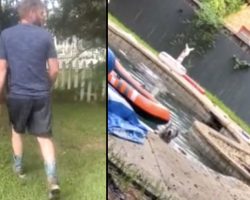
122,187
181,177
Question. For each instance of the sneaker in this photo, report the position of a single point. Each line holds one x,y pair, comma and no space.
19,172
54,188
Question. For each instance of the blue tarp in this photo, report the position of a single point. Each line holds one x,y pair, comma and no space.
122,120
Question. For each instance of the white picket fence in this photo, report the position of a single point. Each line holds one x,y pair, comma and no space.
77,71
79,77
73,47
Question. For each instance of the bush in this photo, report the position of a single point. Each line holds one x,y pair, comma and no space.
233,5
213,11
216,6
209,19
222,8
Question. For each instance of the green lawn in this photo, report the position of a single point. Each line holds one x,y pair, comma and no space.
111,18
80,138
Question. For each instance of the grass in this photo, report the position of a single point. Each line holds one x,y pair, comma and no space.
212,97
229,112
124,28
80,139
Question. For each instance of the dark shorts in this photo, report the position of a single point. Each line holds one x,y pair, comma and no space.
32,115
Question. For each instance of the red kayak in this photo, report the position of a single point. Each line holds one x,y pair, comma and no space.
127,76
148,108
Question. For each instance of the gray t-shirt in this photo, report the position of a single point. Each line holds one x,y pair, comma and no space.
27,48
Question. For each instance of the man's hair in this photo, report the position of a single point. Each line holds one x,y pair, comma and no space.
27,5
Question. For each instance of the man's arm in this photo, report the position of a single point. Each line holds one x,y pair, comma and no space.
3,74
3,66
52,60
53,69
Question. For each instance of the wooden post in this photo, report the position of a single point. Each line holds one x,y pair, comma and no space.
58,77
82,88
76,73
103,89
68,67
89,91
63,75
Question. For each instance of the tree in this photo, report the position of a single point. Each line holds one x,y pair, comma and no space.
8,14
84,19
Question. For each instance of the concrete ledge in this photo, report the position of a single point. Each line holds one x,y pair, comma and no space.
131,158
172,172
227,155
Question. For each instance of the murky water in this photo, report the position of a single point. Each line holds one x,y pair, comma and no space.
181,117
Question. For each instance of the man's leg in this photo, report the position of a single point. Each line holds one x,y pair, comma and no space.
17,145
48,153
19,111
40,126
47,149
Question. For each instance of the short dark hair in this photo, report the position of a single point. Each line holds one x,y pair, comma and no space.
27,5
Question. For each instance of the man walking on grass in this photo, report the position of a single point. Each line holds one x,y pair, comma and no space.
24,51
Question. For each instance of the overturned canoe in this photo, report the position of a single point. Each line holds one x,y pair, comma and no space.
123,73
